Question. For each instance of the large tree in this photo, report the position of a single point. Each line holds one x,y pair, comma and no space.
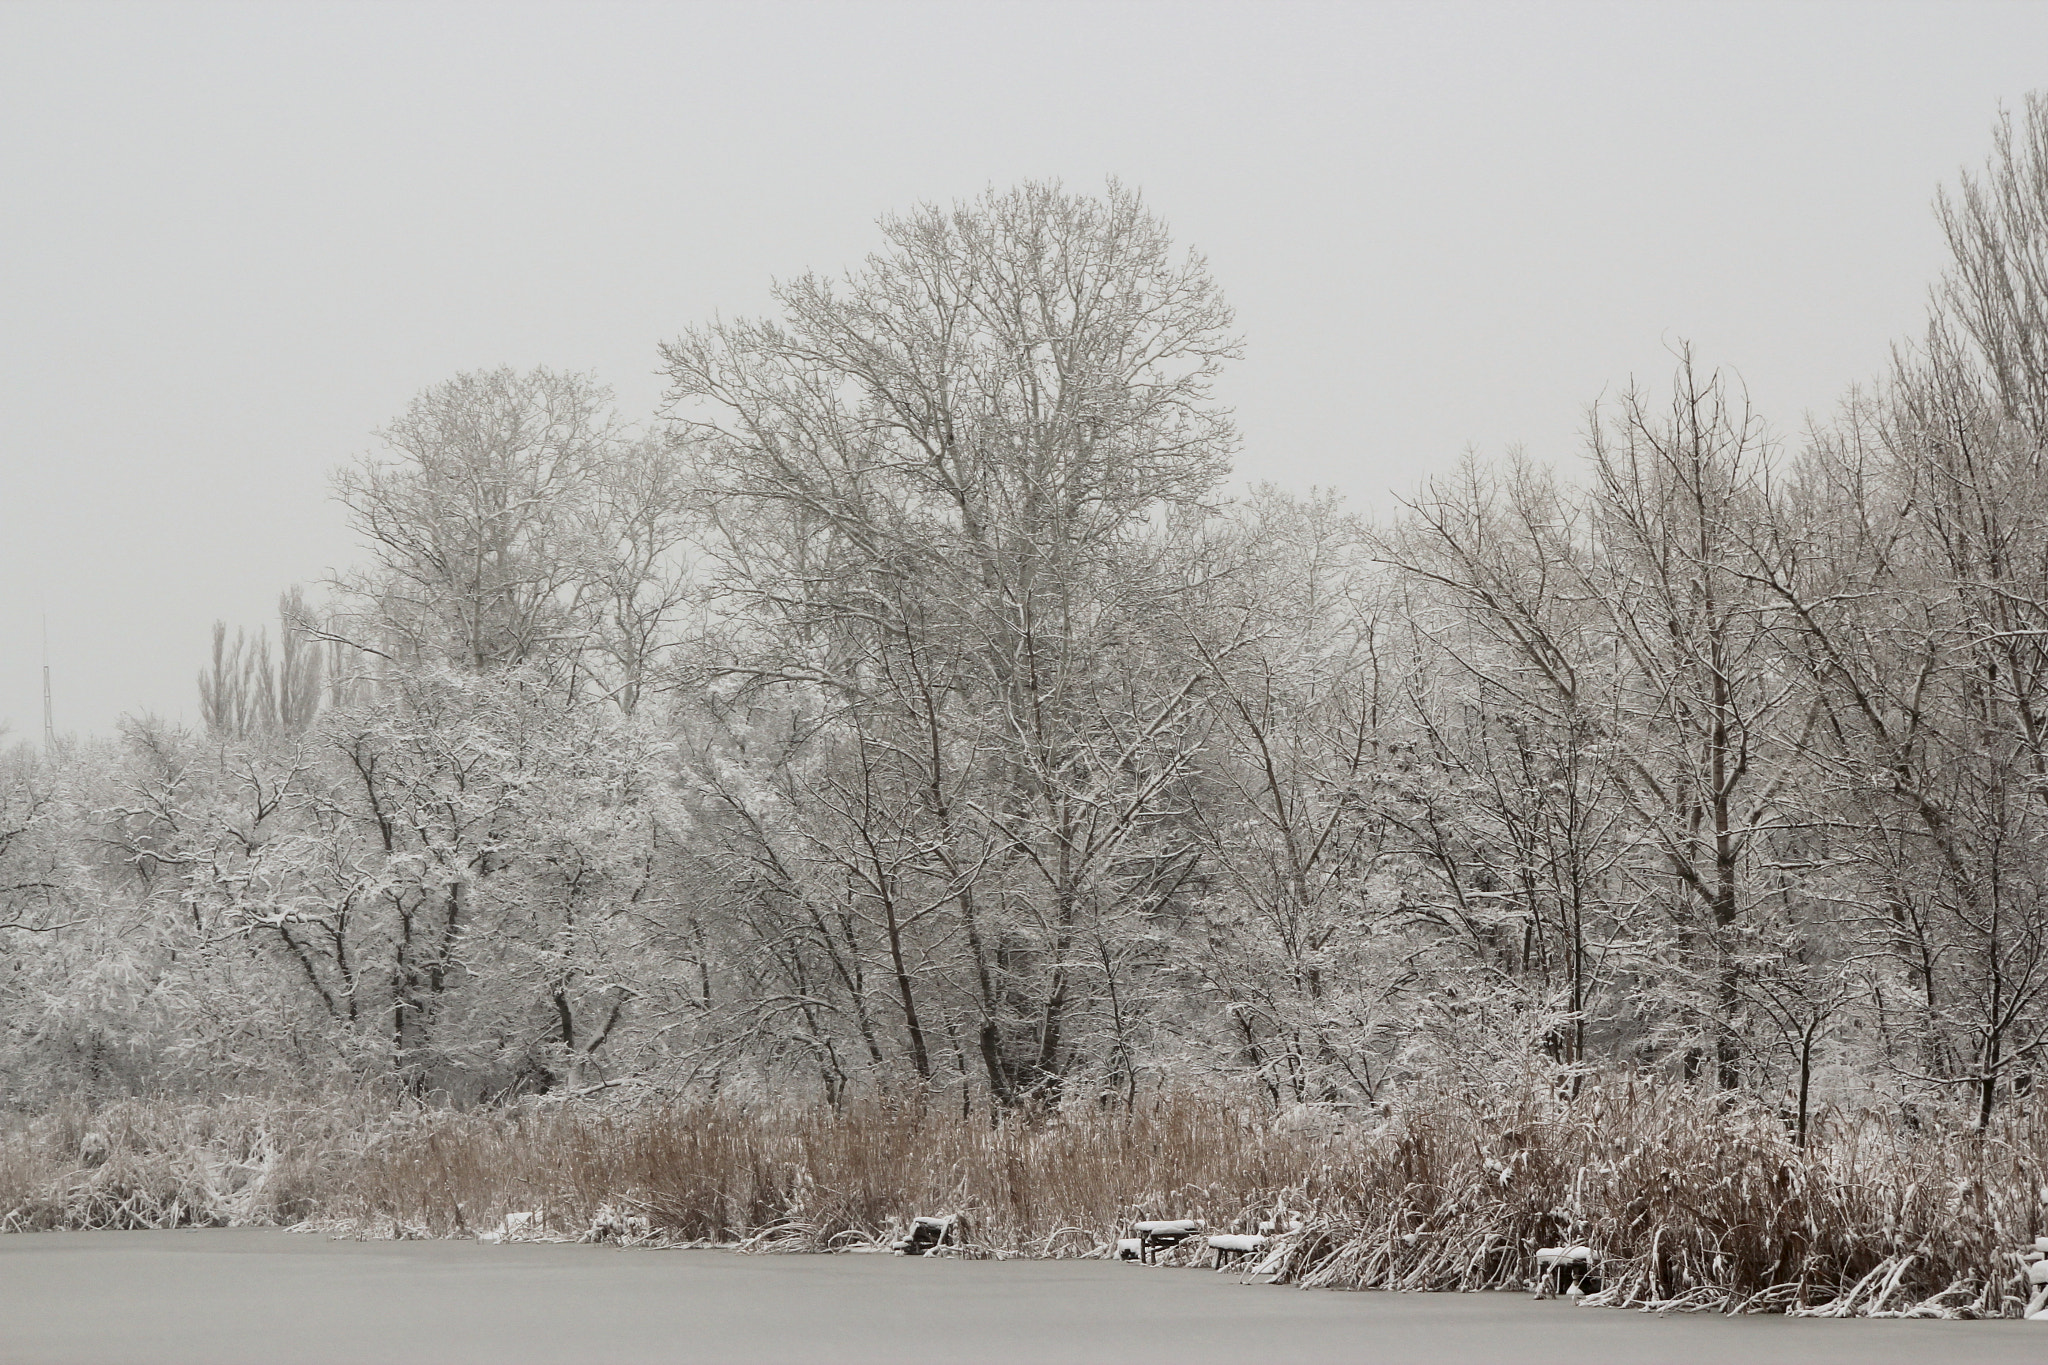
930,483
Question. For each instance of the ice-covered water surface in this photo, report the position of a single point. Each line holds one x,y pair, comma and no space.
225,1296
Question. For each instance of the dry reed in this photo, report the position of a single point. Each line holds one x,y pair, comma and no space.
809,1179
1691,1200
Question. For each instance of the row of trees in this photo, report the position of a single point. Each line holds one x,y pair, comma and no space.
907,709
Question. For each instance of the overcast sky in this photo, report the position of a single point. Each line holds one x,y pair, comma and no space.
236,239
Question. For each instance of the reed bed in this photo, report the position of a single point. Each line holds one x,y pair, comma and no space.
811,1179
1691,1200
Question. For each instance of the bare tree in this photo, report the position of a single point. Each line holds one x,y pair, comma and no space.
924,485
1628,619
1995,291
477,521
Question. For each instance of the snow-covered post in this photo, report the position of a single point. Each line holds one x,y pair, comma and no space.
1570,1266
2034,1260
1155,1236
1233,1247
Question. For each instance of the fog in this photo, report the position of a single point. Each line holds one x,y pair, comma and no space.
236,239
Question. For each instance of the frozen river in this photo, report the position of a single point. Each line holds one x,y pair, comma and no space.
220,1297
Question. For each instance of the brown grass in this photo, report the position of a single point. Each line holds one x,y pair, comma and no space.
810,1179
1692,1200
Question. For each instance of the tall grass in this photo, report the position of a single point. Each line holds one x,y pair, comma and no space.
809,1179
1692,1200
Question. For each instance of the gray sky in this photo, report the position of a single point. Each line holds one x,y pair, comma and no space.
234,239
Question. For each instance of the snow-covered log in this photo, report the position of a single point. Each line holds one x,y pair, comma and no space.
610,1224
927,1235
527,1223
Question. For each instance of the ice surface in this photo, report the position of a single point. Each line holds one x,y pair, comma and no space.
229,1296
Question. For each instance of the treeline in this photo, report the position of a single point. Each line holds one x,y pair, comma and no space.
909,707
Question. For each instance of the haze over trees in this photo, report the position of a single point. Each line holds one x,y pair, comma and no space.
910,705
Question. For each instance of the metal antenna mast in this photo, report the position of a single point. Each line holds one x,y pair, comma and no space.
49,726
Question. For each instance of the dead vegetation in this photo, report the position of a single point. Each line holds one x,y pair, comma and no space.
1690,1199
160,1164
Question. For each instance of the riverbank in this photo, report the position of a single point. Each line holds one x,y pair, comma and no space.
1689,1199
